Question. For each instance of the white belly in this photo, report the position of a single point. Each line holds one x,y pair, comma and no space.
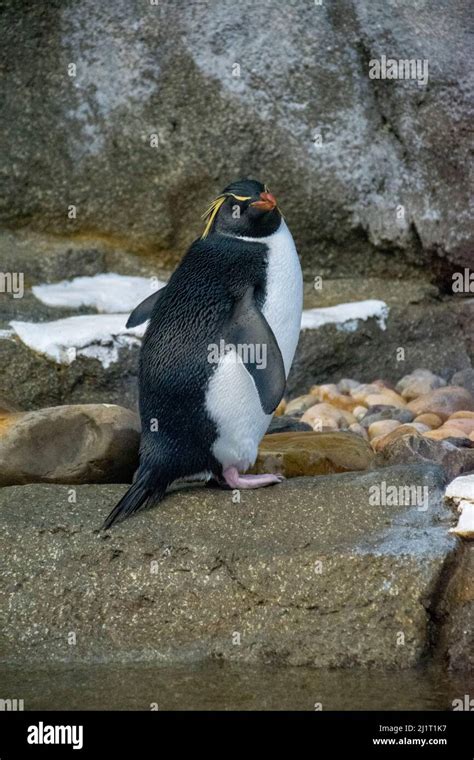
232,399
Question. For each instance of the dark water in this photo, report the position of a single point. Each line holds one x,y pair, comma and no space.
215,686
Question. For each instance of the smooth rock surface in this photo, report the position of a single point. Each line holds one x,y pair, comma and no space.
84,443
307,572
297,453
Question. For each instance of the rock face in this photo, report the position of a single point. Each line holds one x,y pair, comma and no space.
456,643
147,111
317,571
435,335
86,443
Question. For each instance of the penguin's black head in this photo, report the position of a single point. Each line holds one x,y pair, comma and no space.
245,208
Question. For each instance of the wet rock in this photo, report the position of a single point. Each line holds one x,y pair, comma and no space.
443,402
287,424
312,453
310,572
87,443
419,383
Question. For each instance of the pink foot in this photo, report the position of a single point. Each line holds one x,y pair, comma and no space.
234,480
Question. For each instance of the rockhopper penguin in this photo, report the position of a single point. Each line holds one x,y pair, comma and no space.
218,349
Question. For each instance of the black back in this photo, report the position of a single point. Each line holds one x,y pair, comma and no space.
174,366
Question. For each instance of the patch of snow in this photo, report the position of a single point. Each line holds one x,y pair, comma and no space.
461,488
98,336
108,293
465,526
346,316
6,334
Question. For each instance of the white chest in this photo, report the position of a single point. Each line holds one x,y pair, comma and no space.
284,299
232,399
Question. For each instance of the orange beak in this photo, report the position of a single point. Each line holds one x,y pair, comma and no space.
267,202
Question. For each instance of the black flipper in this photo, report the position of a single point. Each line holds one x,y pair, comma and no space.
259,351
142,312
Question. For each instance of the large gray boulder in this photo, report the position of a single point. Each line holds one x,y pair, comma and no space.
227,91
311,572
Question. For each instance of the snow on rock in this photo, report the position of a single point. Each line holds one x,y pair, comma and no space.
461,488
465,526
97,336
346,316
108,293
461,492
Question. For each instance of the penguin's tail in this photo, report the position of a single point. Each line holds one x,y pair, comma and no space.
144,492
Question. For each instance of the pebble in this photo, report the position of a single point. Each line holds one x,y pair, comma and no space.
382,427
432,420
287,424
330,394
418,383
359,430
385,398
464,377
299,404
443,402
323,416
359,412
379,443
376,413
445,431
346,385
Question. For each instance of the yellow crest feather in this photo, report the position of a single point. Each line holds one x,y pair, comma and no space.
213,209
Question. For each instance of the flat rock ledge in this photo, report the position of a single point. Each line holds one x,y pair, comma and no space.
311,572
